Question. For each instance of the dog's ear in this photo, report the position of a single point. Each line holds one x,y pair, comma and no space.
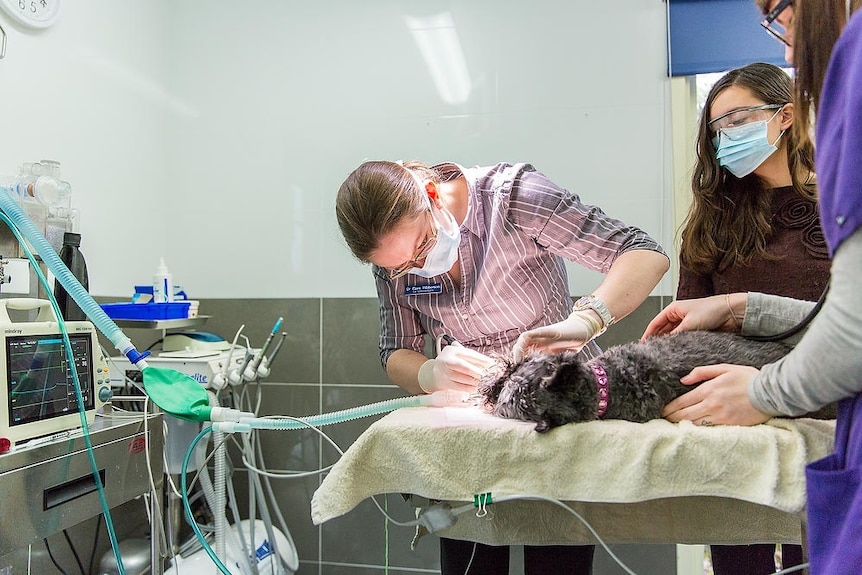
543,426
562,371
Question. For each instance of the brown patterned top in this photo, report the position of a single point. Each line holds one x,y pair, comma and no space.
801,271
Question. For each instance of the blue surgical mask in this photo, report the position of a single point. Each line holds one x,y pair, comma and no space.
442,256
741,149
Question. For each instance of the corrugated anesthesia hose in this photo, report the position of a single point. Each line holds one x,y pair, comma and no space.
436,399
218,505
98,316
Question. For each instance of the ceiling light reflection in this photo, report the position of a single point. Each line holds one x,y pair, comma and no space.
437,40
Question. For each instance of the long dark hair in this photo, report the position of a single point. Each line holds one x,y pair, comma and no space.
817,24
729,221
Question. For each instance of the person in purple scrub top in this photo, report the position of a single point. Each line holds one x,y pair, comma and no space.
826,363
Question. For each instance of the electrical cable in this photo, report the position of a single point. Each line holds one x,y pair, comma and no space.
265,517
283,474
411,523
95,543
154,344
225,372
251,450
472,556
54,561
386,534
246,550
579,518
257,456
158,523
441,516
74,552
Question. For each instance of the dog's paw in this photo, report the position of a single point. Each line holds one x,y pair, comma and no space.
544,426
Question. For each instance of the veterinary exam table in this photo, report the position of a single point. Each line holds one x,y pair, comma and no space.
655,482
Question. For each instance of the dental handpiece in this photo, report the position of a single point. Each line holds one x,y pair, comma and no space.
449,341
265,366
278,345
259,356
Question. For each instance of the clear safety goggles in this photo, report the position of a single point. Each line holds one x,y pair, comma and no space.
739,117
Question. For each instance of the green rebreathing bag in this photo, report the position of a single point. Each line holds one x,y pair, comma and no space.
176,393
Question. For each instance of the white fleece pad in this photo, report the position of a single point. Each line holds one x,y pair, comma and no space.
450,454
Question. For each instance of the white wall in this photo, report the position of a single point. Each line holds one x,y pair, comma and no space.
216,132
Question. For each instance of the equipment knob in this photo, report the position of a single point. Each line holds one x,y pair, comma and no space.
105,394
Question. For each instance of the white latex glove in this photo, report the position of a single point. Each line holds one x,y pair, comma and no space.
456,367
572,333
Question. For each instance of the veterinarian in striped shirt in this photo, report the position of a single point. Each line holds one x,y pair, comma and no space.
478,254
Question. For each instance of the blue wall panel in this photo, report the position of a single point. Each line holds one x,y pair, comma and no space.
717,35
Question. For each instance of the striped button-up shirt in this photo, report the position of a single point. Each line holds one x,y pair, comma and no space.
518,229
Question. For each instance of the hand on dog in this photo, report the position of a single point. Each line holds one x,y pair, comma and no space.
456,367
704,314
721,398
570,334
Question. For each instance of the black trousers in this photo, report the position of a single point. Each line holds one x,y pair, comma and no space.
455,556
757,559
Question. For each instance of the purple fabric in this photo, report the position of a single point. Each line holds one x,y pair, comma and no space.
834,486
839,138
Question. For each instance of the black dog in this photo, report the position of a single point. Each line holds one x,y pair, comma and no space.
632,381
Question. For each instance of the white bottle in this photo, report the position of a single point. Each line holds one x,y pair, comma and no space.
163,287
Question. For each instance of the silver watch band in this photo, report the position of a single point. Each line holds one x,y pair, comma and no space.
597,305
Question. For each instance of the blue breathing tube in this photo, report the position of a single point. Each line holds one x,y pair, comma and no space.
245,422
98,316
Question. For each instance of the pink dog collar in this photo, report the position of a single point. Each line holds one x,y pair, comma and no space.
602,383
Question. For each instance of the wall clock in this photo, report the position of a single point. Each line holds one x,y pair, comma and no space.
32,13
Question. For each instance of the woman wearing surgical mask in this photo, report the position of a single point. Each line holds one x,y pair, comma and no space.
753,223
478,254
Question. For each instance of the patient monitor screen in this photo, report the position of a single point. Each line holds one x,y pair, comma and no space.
40,384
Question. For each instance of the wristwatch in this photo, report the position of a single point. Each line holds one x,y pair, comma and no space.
598,306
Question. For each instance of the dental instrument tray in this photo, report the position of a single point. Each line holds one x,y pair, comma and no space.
147,311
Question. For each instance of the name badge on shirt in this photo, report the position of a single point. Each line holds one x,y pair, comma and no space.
423,289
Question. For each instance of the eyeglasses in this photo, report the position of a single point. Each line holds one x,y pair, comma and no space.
421,252
768,22
738,117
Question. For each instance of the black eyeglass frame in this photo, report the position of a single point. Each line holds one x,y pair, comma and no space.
746,109
770,18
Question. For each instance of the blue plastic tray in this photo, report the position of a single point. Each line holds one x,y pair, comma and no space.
147,311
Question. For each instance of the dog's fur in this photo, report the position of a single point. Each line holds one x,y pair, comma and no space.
553,390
